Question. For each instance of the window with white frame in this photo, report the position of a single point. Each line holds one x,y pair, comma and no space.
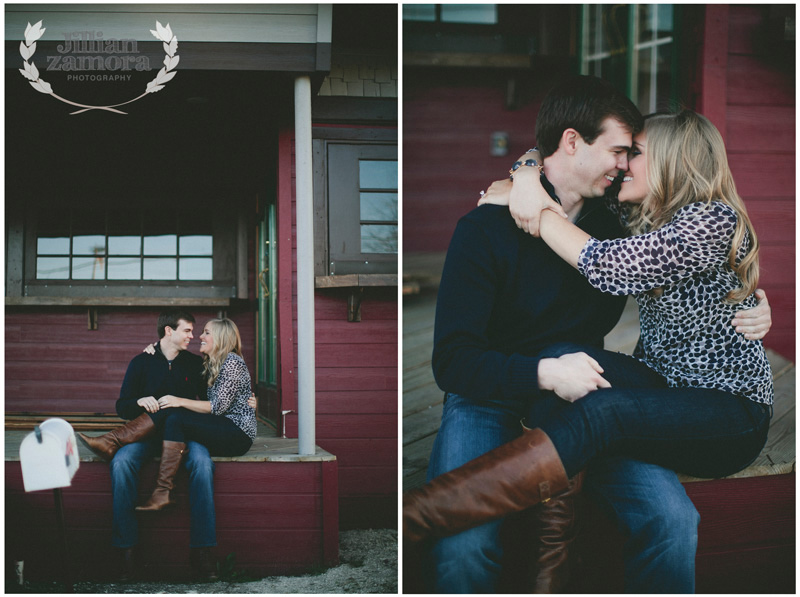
632,46
360,180
122,245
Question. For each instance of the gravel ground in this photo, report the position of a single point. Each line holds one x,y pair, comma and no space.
368,564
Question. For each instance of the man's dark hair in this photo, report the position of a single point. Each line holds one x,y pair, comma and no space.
582,103
171,318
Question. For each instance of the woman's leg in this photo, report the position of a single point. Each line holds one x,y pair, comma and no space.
705,433
219,434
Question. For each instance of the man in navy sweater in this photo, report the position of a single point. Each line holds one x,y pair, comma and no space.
176,371
504,298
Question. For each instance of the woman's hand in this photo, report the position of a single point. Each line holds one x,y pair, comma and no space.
497,193
150,348
252,402
528,199
754,323
170,401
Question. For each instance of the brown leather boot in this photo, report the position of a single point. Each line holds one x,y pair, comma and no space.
171,456
557,523
105,446
510,478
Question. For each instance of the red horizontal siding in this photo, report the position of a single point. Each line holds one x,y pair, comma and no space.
449,117
274,516
54,363
356,375
761,140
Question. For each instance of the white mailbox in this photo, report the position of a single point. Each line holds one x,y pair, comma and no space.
49,456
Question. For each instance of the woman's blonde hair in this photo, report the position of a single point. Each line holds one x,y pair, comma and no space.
687,163
226,340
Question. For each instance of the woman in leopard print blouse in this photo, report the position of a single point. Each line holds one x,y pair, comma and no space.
699,396
225,424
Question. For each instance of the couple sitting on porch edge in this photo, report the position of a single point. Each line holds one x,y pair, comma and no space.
520,323
193,408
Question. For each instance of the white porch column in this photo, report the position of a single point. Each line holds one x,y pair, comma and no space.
306,369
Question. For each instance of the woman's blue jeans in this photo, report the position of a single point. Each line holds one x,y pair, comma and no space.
701,432
125,489
220,435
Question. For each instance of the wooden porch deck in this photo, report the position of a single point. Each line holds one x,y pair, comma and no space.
266,448
422,399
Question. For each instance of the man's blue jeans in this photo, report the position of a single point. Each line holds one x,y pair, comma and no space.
647,502
125,488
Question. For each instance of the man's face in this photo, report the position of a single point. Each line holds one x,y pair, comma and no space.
181,335
597,165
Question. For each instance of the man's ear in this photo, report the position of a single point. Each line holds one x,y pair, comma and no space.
569,141
168,331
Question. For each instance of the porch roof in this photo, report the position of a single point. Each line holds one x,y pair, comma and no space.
261,37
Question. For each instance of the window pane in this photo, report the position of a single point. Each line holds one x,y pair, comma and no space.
378,238
377,174
379,207
52,268
664,19
419,12
52,246
124,245
125,268
165,244
160,269
485,14
643,97
196,269
90,244
663,77
88,268
52,235
647,23
196,245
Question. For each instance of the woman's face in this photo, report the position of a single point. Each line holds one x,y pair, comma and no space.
207,339
634,185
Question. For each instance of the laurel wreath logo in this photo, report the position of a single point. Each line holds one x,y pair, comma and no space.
167,72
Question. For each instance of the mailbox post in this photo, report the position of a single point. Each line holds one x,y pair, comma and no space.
49,460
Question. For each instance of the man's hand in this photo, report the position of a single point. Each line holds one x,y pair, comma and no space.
149,403
252,402
571,376
754,323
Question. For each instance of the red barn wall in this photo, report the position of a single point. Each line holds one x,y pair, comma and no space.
745,85
447,127
55,363
356,378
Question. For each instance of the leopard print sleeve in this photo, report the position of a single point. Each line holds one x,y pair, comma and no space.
697,238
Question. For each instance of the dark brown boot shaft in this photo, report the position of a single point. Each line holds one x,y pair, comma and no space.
557,523
171,456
